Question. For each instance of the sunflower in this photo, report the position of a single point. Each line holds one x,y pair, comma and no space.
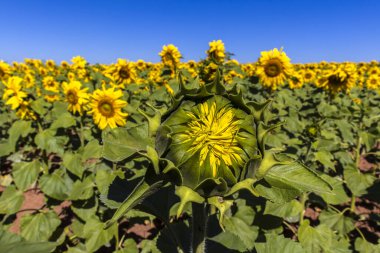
123,72
170,55
273,68
24,112
373,82
50,84
13,95
216,51
296,81
308,76
343,78
106,108
5,70
211,132
75,96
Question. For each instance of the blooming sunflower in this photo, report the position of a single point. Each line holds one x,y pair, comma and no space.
273,68
216,50
373,82
24,112
170,55
341,79
296,81
123,72
106,108
5,70
13,95
50,84
308,76
75,96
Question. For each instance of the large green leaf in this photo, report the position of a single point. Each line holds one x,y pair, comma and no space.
29,247
337,222
25,173
73,162
278,244
321,239
121,143
357,182
19,128
39,227
240,224
289,210
142,190
56,185
64,120
296,176
366,247
95,234
10,200
339,195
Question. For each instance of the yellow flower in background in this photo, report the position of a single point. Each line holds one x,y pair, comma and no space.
141,65
216,50
343,78
65,65
50,84
308,76
273,68
29,80
24,112
13,95
296,81
78,62
106,108
5,70
50,64
123,72
170,55
76,97
373,82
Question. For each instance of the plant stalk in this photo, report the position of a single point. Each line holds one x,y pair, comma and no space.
199,227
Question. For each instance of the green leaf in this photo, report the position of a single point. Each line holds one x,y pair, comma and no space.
73,162
321,239
364,246
65,120
121,143
326,158
29,247
337,222
46,140
18,128
240,224
230,241
10,200
92,150
56,185
339,195
296,176
278,244
25,173
356,181
85,209
82,190
284,210
95,234
142,190
39,227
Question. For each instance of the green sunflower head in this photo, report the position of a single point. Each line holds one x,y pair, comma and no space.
210,136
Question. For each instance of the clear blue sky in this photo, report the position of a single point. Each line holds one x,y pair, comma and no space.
103,31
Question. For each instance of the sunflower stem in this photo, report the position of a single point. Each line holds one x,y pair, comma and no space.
199,227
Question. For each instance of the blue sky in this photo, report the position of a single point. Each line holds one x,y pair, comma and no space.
103,31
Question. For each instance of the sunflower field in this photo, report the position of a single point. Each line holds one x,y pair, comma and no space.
208,156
